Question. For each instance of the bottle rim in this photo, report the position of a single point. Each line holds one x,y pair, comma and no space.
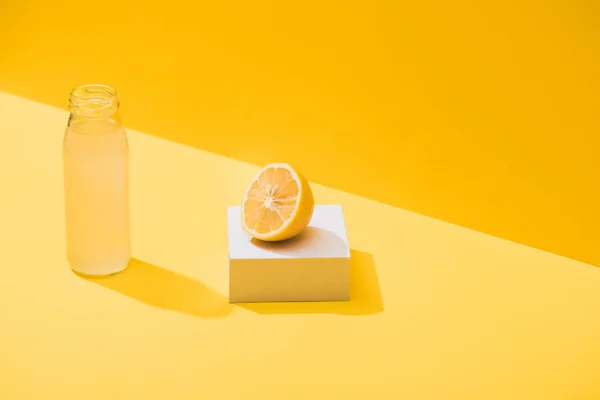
93,100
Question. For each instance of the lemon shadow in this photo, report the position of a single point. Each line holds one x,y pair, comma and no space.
165,289
318,241
365,294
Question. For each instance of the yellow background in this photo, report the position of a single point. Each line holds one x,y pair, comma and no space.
479,114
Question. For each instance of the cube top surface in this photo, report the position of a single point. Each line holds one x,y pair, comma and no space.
325,237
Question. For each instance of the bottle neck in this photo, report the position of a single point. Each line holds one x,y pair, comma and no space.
94,102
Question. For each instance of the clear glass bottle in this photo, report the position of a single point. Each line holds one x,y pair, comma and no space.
96,177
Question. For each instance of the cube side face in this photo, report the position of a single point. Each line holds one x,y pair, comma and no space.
274,280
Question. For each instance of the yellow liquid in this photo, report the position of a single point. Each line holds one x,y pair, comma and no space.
96,174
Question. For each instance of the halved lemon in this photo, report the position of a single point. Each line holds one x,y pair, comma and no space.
278,204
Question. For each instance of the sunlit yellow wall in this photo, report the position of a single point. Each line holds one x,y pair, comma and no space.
484,114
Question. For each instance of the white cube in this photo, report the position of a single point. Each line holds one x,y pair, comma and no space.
314,266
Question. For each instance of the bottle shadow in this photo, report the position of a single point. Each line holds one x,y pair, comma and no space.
165,289
365,294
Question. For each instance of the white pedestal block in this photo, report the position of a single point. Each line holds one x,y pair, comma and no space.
314,266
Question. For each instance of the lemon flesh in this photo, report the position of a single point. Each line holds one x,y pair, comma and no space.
278,204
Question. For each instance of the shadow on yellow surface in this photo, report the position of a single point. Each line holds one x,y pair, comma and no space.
482,114
365,295
165,289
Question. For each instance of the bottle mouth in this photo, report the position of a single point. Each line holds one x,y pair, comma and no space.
93,101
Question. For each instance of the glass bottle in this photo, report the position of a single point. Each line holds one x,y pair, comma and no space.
96,178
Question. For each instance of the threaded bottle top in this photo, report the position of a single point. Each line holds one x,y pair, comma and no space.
93,101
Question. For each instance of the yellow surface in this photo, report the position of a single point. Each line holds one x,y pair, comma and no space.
480,113
439,311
